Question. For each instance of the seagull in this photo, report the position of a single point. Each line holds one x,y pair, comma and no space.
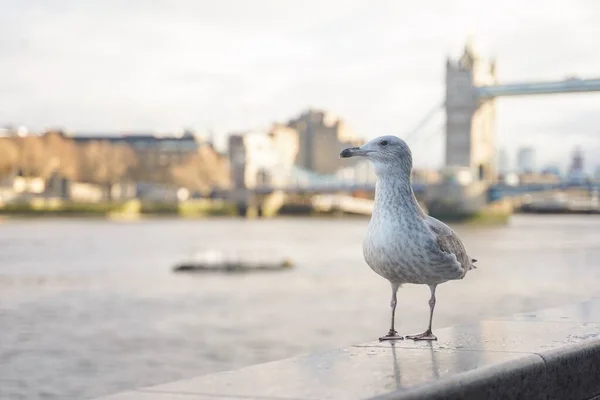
403,244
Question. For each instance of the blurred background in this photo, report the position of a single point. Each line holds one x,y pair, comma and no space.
172,202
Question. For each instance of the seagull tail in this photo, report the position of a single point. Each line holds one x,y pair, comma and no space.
473,261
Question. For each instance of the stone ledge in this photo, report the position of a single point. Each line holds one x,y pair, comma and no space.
550,354
573,371
570,372
521,378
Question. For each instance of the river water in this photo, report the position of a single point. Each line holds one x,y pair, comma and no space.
89,308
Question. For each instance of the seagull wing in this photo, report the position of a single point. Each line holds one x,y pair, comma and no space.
449,242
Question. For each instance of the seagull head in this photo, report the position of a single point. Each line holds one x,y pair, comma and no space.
387,153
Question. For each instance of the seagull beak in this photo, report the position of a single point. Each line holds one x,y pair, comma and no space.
353,152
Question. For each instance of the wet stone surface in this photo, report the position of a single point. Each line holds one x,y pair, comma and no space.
547,354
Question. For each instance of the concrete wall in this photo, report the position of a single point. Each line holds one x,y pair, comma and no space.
33,185
85,192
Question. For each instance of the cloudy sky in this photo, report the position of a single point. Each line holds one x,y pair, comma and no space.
232,64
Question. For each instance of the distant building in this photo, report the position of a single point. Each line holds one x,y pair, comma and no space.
534,177
151,150
285,142
360,172
260,158
426,176
321,138
10,131
552,170
503,162
526,160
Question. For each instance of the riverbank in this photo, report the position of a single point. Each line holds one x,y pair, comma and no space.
117,210
494,214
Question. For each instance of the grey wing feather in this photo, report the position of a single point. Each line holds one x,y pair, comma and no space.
449,242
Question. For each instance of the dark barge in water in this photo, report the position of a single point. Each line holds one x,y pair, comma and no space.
214,261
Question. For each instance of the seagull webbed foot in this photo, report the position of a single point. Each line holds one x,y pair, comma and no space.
391,335
427,335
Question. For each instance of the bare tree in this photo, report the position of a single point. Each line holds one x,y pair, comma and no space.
9,156
61,153
148,170
202,171
104,163
33,160
120,159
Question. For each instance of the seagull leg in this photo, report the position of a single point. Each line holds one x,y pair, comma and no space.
392,334
427,335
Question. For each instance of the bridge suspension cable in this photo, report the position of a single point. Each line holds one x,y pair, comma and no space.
430,134
428,117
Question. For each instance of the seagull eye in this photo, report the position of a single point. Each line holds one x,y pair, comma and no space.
383,143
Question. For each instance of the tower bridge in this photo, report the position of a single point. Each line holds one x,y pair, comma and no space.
471,88
471,91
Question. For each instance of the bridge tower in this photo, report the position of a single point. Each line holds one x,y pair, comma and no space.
470,119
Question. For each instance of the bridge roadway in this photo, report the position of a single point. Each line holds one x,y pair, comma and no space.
323,188
496,192
572,85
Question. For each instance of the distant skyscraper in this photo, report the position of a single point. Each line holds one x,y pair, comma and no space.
576,172
526,160
576,161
